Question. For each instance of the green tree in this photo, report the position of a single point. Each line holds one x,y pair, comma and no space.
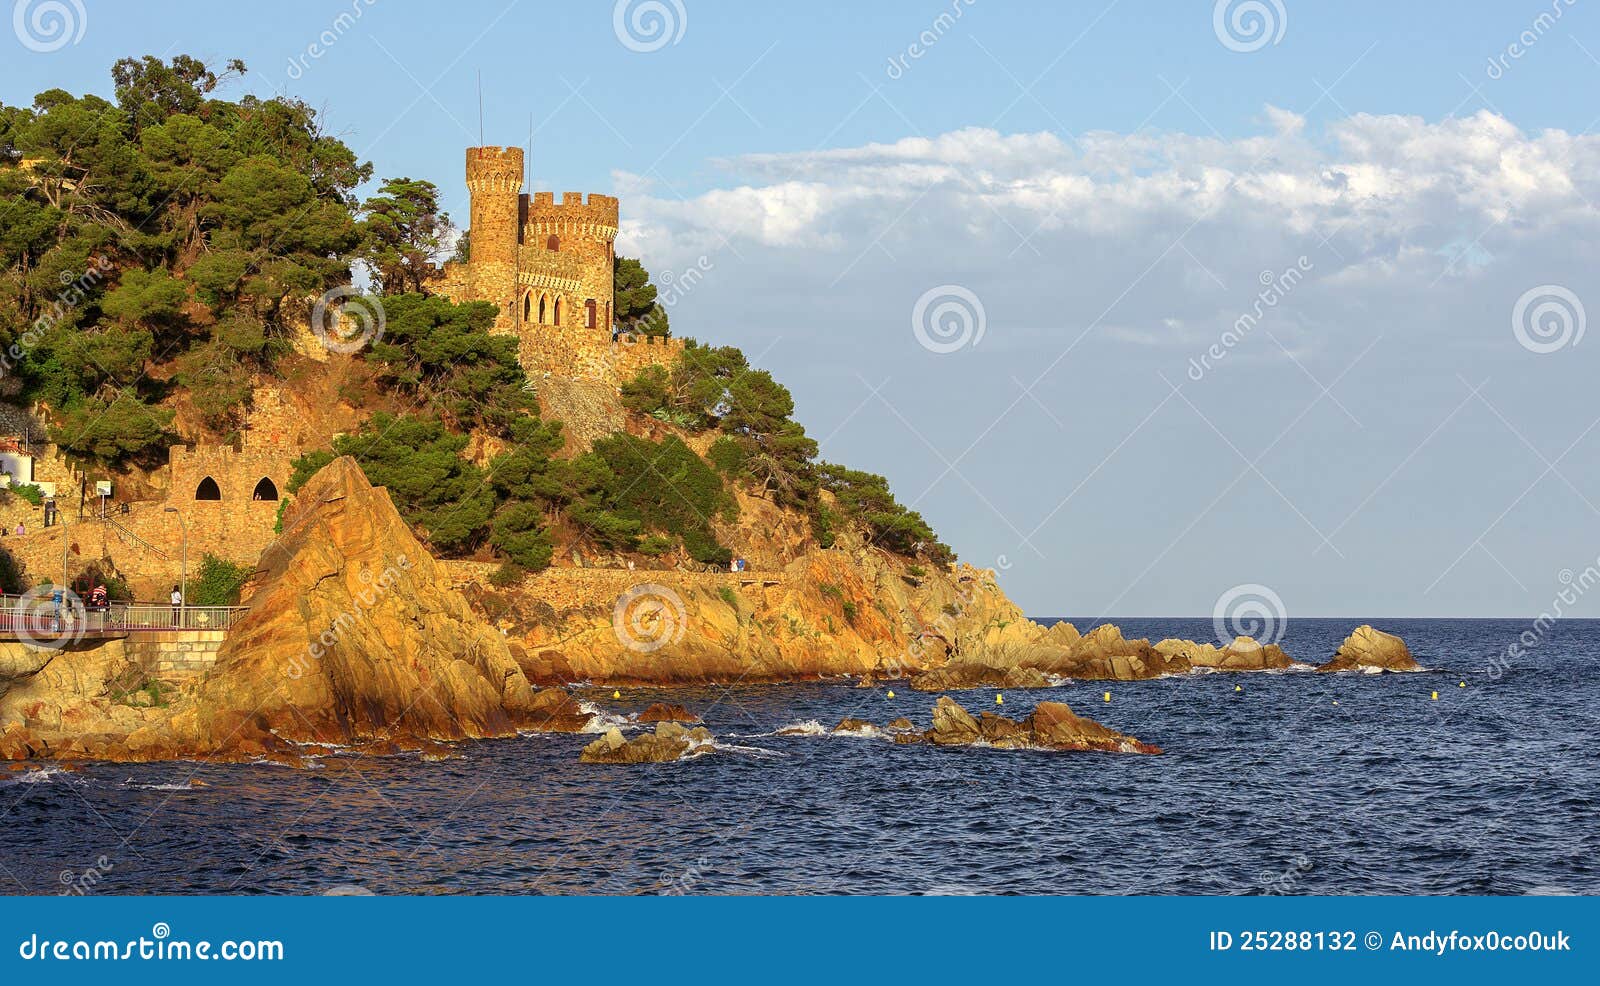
420,463
445,353
404,231
636,306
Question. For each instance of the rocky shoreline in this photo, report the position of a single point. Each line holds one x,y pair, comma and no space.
357,638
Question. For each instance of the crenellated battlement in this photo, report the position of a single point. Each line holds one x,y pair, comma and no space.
596,217
494,169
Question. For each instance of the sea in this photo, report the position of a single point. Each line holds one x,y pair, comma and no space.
1476,776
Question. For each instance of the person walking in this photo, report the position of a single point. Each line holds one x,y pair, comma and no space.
177,605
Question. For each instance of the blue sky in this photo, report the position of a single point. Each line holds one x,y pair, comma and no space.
1111,182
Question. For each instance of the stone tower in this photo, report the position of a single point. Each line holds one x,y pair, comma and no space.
494,179
542,263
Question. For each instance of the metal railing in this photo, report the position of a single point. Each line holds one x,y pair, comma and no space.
37,614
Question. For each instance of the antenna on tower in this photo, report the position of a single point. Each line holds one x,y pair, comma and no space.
527,159
480,107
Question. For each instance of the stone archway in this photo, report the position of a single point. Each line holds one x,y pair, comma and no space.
265,490
208,490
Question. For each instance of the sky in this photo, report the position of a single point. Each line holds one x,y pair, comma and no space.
1154,307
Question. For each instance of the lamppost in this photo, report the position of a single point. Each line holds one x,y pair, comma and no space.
183,591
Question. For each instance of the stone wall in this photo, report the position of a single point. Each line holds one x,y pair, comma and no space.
586,354
169,654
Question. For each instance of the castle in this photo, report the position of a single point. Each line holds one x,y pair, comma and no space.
539,261
548,267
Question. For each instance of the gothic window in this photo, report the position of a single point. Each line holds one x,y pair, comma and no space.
553,244
541,309
558,311
207,490
527,307
265,490
588,314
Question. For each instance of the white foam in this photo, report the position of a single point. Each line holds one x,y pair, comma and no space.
600,720
41,775
806,727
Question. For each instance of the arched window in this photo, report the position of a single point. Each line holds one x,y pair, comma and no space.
541,309
558,311
207,490
265,490
527,306
588,314
553,244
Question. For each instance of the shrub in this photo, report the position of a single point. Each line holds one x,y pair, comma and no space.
508,574
218,583
28,492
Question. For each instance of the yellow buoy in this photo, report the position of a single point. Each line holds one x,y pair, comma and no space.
616,694
891,693
1335,701
1108,696
1238,688
1462,685
1436,696
999,699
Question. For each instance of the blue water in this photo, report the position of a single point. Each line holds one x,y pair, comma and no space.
1275,789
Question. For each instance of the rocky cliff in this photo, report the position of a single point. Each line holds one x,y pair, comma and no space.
354,636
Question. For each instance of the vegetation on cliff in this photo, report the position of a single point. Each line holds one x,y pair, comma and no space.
160,247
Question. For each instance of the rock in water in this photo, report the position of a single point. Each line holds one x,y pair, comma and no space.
669,742
1051,726
664,712
1243,654
1369,648
1055,725
354,633
952,725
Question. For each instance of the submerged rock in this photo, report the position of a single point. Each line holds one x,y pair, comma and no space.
669,742
665,712
1370,648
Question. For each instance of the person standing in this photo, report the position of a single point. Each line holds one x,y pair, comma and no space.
55,607
177,605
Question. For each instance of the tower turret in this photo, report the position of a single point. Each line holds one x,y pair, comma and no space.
494,179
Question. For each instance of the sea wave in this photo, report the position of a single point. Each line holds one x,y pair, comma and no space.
601,720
